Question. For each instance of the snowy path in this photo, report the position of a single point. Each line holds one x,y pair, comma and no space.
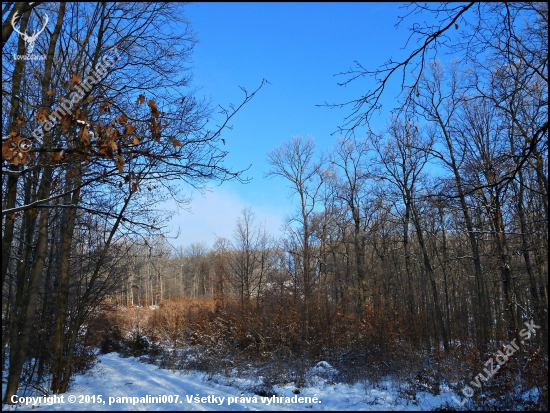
123,377
115,377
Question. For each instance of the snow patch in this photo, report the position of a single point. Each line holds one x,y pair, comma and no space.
117,377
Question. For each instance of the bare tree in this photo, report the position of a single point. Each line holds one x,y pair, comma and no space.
402,164
511,31
249,259
294,161
350,158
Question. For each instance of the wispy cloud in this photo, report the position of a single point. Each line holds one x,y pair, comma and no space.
215,214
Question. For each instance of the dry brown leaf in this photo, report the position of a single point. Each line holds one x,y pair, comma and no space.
40,115
105,107
120,163
129,129
74,80
56,157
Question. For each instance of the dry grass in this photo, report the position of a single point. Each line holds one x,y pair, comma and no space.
271,342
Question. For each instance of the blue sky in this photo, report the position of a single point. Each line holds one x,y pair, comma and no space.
298,48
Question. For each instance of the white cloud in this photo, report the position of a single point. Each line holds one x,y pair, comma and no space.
215,214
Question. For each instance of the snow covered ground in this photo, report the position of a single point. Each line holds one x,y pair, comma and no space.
117,383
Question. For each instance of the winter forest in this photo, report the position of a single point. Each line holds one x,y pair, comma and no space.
415,254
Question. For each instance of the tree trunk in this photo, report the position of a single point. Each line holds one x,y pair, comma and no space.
23,319
67,231
435,294
11,193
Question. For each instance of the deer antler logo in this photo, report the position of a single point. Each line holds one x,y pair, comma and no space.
29,39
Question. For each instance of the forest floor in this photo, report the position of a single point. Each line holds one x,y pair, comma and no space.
115,377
